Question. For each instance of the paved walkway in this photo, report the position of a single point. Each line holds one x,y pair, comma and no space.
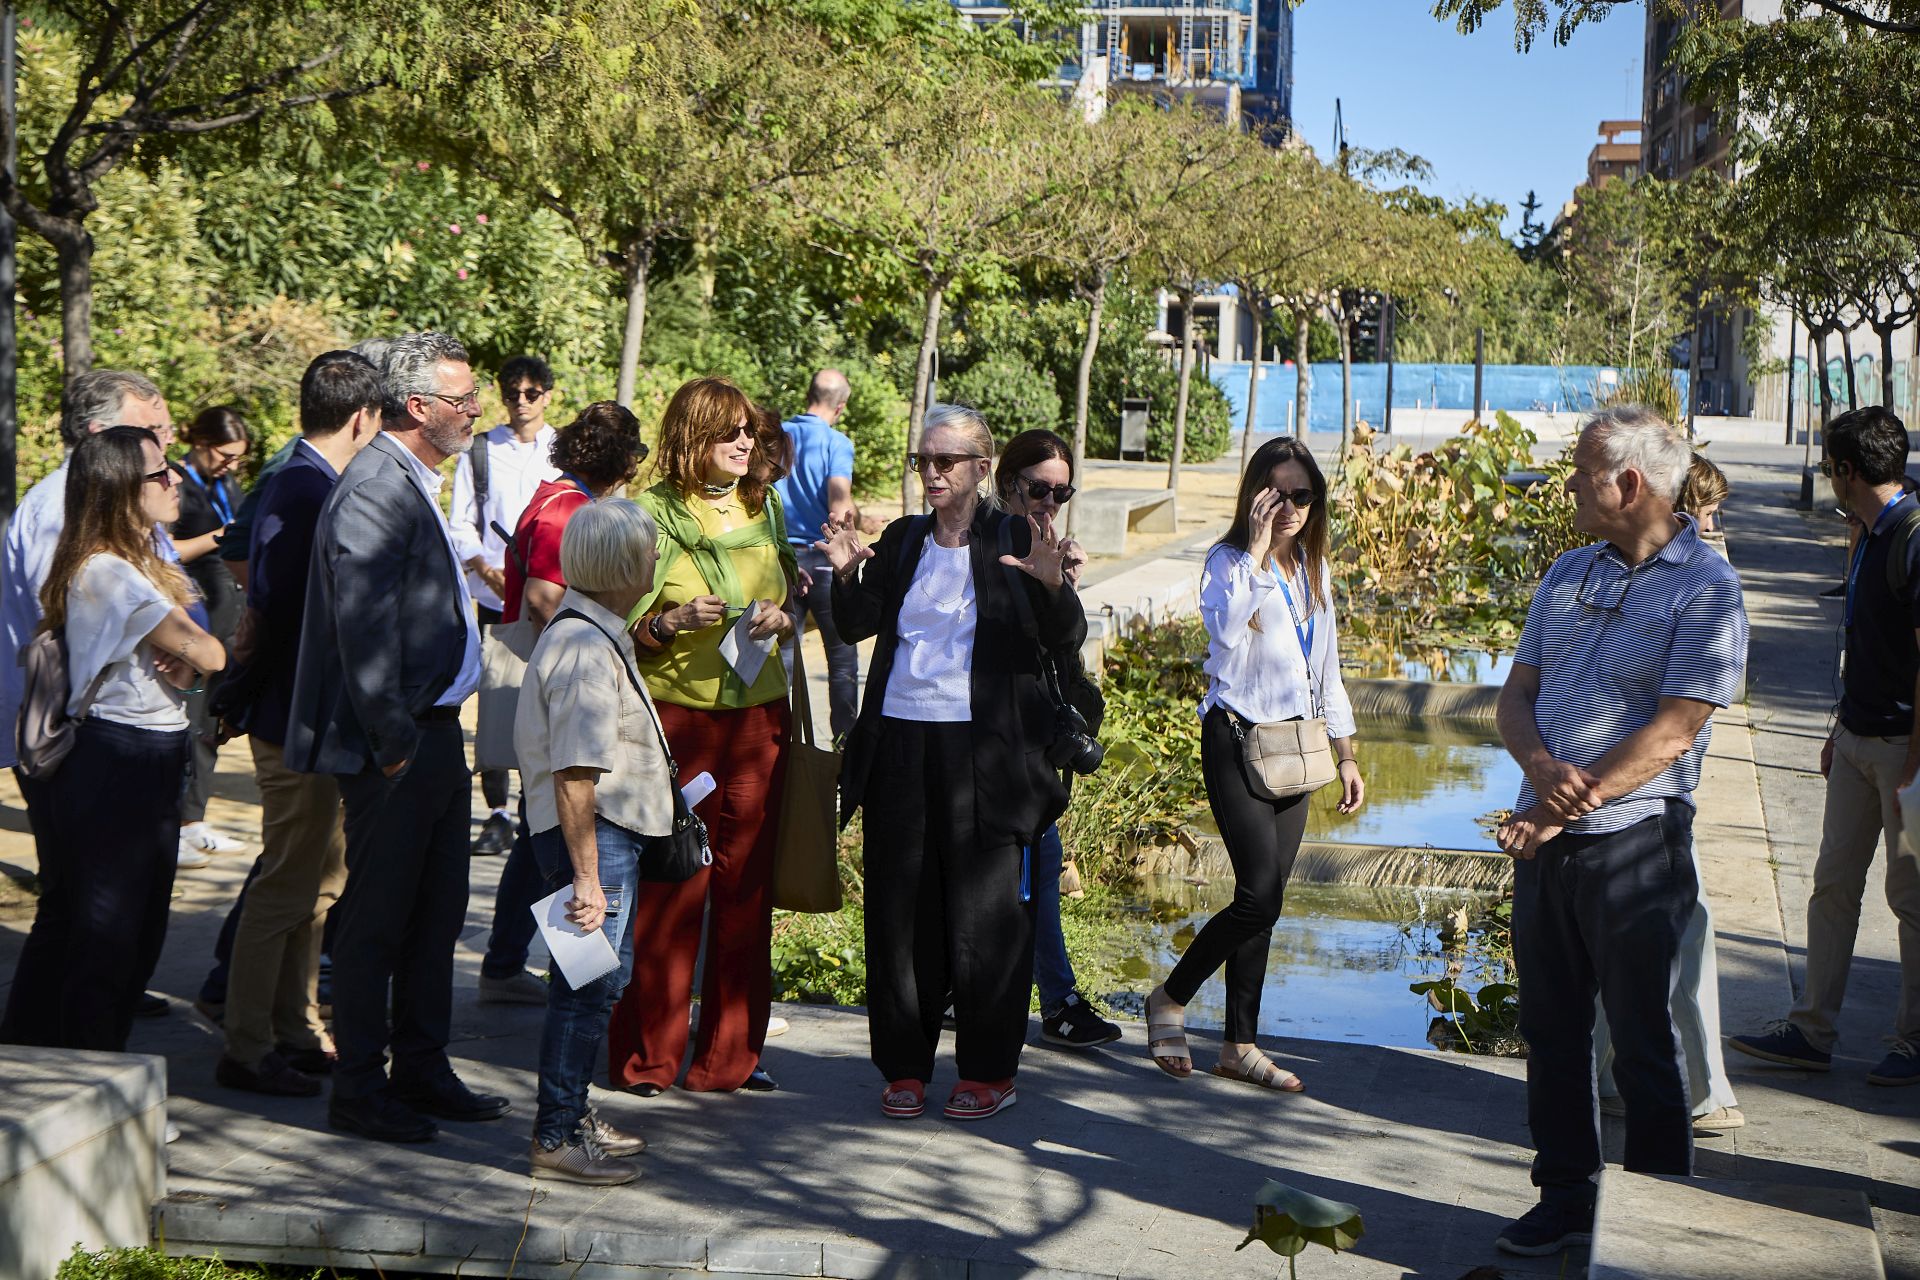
1106,1167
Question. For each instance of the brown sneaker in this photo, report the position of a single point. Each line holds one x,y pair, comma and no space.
580,1159
614,1142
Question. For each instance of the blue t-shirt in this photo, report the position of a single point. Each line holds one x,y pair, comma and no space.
819,452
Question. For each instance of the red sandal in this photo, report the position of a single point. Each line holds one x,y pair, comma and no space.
903,1099
985,1098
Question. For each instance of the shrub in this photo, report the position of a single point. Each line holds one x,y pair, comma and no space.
876,418
1012,394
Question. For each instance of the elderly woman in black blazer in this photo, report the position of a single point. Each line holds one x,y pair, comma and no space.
949,758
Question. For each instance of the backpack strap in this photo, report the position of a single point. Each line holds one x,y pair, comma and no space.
1897,553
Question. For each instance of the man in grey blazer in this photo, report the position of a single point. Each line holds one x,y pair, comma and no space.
388,652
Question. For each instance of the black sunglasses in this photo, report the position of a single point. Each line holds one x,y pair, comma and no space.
942,462
528,394
1037,491
1300,498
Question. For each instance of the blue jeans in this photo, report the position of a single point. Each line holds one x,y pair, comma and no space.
1052,971
577,1020
522,883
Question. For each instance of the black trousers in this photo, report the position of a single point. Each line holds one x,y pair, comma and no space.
405,901
493,782
1604,913
106,879
944,913
1262,839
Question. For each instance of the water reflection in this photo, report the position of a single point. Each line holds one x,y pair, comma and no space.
1340,962
1379,660
1424,786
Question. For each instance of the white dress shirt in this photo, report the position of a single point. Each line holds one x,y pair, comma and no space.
514,471
1261,674
468,681
27,557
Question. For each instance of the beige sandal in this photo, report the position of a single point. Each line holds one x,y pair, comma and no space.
1256,1068
1168,1031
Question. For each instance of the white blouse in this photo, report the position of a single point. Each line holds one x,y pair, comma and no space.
111,610
932,675
1261,673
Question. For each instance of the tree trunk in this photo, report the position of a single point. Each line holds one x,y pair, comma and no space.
639,261
1346,377
75,256
922,376
1253,384
1826,383
1846,351
1083,380
1180,403
1302,371
1886,364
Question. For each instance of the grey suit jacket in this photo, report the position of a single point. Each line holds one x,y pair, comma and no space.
382,638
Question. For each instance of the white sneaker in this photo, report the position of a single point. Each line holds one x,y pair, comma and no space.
776,1026
190,857
205,838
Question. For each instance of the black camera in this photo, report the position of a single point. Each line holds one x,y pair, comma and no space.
1073,747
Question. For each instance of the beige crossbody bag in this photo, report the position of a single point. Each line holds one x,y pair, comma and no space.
1287,758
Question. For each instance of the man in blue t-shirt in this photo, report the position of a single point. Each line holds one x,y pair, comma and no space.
818,490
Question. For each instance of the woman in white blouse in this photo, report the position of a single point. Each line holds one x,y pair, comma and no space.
1266,598
108,821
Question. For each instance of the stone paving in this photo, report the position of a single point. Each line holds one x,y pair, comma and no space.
1106,1167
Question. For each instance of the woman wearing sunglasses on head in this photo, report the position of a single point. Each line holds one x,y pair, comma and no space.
724,555
1034,477
949,756
1266,598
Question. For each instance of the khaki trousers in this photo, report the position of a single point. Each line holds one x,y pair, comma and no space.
272,995
1860,817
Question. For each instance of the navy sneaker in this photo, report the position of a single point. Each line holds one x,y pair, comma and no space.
1547,1228
1784,1043
1900,1066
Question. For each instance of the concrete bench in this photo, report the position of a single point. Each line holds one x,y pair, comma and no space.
81,1159
1706,1229
1102,518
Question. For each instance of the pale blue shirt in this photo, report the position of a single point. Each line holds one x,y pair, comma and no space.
32,535
468,681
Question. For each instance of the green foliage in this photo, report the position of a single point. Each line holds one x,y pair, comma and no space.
876,418
1486,1018
821,959
1287,1220
1012,394
152,1264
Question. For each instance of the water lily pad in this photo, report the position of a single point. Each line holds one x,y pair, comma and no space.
1287,1220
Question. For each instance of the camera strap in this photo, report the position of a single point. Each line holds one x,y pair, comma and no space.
1049,674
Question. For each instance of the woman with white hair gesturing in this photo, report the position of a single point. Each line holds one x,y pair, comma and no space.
950,757
597,782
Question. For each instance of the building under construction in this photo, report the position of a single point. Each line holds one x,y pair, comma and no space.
1234,57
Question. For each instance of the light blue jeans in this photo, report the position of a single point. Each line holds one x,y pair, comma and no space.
577,1020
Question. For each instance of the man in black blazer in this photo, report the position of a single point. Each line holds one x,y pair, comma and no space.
388,652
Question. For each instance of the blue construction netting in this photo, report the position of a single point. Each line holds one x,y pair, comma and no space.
1514,387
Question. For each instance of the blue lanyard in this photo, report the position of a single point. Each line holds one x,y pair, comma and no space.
1860,553
1304,633
578,483
222,507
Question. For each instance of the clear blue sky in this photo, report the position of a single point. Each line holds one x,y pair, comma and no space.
1491,121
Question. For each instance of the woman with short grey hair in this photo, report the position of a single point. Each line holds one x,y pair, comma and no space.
597,783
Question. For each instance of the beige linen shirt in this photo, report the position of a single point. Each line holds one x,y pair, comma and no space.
580,708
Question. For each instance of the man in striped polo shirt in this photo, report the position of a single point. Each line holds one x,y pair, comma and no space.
1628,647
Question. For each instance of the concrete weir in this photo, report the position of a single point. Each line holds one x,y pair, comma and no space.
1334,862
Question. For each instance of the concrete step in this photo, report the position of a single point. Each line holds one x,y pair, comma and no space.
1714,1229
81,1153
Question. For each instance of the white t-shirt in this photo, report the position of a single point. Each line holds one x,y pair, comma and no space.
932,675
111,610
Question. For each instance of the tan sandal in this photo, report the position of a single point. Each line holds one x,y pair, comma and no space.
1168,1031
1256,1068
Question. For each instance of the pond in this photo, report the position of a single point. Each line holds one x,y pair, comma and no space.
1339,967
1446,666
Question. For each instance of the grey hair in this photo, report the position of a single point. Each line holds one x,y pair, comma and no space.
608,545
968,423
409,365
372,350
98,395
1634,437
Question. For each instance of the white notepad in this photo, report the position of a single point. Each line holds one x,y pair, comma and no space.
582,957
743,653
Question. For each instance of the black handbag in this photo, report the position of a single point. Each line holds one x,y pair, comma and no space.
682,852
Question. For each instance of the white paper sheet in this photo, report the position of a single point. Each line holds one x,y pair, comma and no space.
743,653
582,957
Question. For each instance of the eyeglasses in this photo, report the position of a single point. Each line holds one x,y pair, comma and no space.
940,462
1608,595
164,477
1300,498
471,400
1037,490
528,394
743,430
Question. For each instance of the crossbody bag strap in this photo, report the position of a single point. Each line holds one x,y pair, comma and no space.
482,484
673,769
1049,669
